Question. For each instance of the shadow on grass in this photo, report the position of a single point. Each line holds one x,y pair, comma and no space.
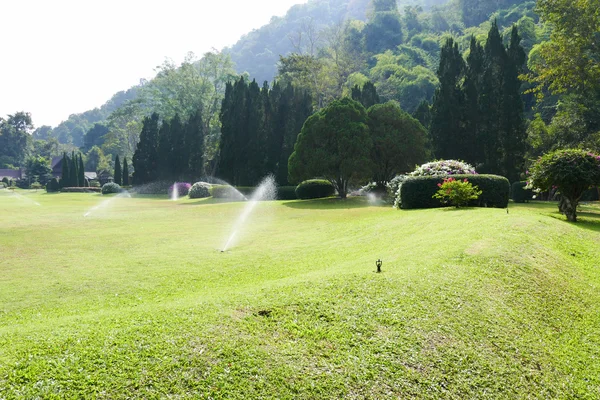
209,200
330,203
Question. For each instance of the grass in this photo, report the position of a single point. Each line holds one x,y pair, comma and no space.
137,301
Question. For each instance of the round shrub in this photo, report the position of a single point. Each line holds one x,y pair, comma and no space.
444,168
183,188
53,186
520,194
314,189
199,190
110,188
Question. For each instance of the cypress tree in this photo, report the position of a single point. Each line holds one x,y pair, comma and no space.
64,179
447,125
473,112
226,157
145,158
179,155
125,180
367,95
81,172
72,170
194,139
118,173
255,153
423,114
514,139
164,151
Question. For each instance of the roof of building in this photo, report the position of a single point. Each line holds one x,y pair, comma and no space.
91,175
55,161
11,173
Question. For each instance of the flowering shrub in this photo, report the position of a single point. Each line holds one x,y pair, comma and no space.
110,188
444,167
457,193
572,172
200,190
183,188
393,189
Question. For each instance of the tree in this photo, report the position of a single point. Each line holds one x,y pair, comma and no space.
38,169
66,175
15,137
95,160
145,159
81,172
125,180
569,60
334,143
194,139
399,141
118,175
95,136
73,173
571,171
366,95
447,121
384,29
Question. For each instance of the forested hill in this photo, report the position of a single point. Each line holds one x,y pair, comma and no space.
257,52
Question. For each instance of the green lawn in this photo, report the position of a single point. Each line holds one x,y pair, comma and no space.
137,301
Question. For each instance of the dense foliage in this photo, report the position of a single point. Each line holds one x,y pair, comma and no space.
572,172
334,143
418,191
456,192
111,188
199,190
314,189
520,193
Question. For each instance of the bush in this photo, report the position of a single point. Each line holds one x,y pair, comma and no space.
199,190
245,190
590,195
53,186
110,188
520,194
6,182
183,188
226,192
444,168
3,185
80,190
22,183
314,189
457,192
159,187
417,192
286,193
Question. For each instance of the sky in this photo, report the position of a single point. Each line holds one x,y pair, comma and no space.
61,57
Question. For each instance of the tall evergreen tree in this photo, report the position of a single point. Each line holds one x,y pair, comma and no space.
80,172
194,139
514,139
423,114
164,151
65,175
118,172
447,122
472,111
145,159
178,157
367,95
73,170
125,180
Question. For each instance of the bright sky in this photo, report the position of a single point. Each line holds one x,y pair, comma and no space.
61,57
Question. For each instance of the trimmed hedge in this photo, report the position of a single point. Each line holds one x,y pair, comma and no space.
225,192
80,190
520,194
314,189
417,192
286,193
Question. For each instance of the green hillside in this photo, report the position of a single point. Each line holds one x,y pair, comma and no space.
136,301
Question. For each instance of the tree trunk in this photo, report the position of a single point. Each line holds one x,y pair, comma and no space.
569,208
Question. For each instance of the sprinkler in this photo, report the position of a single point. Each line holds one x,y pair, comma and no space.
378,263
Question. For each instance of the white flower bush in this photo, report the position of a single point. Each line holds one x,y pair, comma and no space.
443,168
